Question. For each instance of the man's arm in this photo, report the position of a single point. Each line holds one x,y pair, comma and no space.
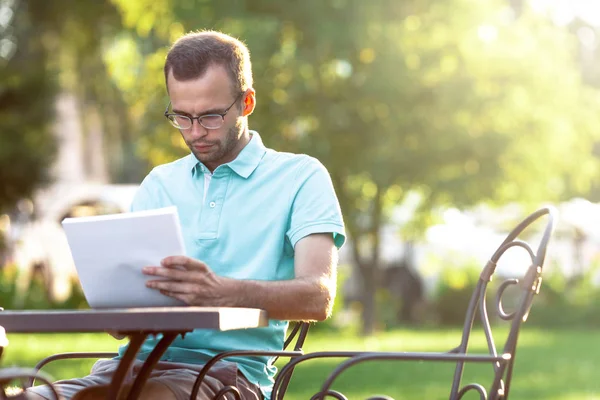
308,297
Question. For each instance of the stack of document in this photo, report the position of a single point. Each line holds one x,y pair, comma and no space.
110,251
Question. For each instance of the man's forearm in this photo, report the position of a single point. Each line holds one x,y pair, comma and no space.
306,299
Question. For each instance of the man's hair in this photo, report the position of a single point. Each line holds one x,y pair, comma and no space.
192,54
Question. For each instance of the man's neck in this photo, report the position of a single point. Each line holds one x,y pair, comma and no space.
245,138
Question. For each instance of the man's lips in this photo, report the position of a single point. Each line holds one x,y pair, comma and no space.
202,146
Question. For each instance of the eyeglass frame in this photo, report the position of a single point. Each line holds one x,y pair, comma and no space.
198,118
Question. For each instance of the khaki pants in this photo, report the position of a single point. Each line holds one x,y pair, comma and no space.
179,378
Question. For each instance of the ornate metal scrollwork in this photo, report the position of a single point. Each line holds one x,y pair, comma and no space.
332,393
473,386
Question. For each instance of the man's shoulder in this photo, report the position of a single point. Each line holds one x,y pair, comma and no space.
292,168
290,160
167,169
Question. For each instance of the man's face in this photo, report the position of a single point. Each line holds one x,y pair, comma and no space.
210,94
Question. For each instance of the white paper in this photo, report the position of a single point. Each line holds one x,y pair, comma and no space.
109,252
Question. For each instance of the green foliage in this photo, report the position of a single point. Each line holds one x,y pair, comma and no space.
562,302
453,100
35,296
3,246
456,101
77,35
568,301
410,95
455,287
7,286
27,146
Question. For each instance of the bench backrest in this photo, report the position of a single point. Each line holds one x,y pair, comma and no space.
527,287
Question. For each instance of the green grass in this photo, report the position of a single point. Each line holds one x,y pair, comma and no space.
550,365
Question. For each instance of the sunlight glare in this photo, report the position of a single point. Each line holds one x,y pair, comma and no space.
564,12
7,48
487,33
588,10
587,37
343,68
6,15
4,223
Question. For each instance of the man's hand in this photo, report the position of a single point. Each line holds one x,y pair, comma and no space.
117,335
188,280
307,297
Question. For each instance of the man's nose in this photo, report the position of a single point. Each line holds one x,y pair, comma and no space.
197,130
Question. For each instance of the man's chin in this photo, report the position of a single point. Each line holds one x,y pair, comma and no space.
205,157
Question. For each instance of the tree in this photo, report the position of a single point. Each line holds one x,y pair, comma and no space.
451,100
76,35
27,146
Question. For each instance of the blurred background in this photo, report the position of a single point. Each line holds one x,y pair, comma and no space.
442,123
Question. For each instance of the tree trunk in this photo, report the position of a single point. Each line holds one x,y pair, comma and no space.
366,268
368,299
370,270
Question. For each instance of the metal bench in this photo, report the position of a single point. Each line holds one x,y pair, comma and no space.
500,360
296,336
12,374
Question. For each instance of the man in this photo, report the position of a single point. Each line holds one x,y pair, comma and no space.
261,228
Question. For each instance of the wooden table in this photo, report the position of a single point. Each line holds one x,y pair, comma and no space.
137,323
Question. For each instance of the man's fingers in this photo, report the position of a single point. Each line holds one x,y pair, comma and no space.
183,262
170,273
171,286
179,296
117,335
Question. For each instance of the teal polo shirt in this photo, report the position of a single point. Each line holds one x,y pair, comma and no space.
243,223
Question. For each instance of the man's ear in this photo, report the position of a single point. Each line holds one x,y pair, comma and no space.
249,102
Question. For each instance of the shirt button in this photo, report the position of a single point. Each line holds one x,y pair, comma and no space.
212,204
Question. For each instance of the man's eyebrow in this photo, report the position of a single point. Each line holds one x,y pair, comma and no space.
206,112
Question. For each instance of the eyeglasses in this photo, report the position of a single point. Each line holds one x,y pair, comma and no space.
209,121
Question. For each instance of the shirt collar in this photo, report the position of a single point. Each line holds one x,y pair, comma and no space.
243,165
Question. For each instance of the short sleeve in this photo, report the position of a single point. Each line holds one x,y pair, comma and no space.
315,207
